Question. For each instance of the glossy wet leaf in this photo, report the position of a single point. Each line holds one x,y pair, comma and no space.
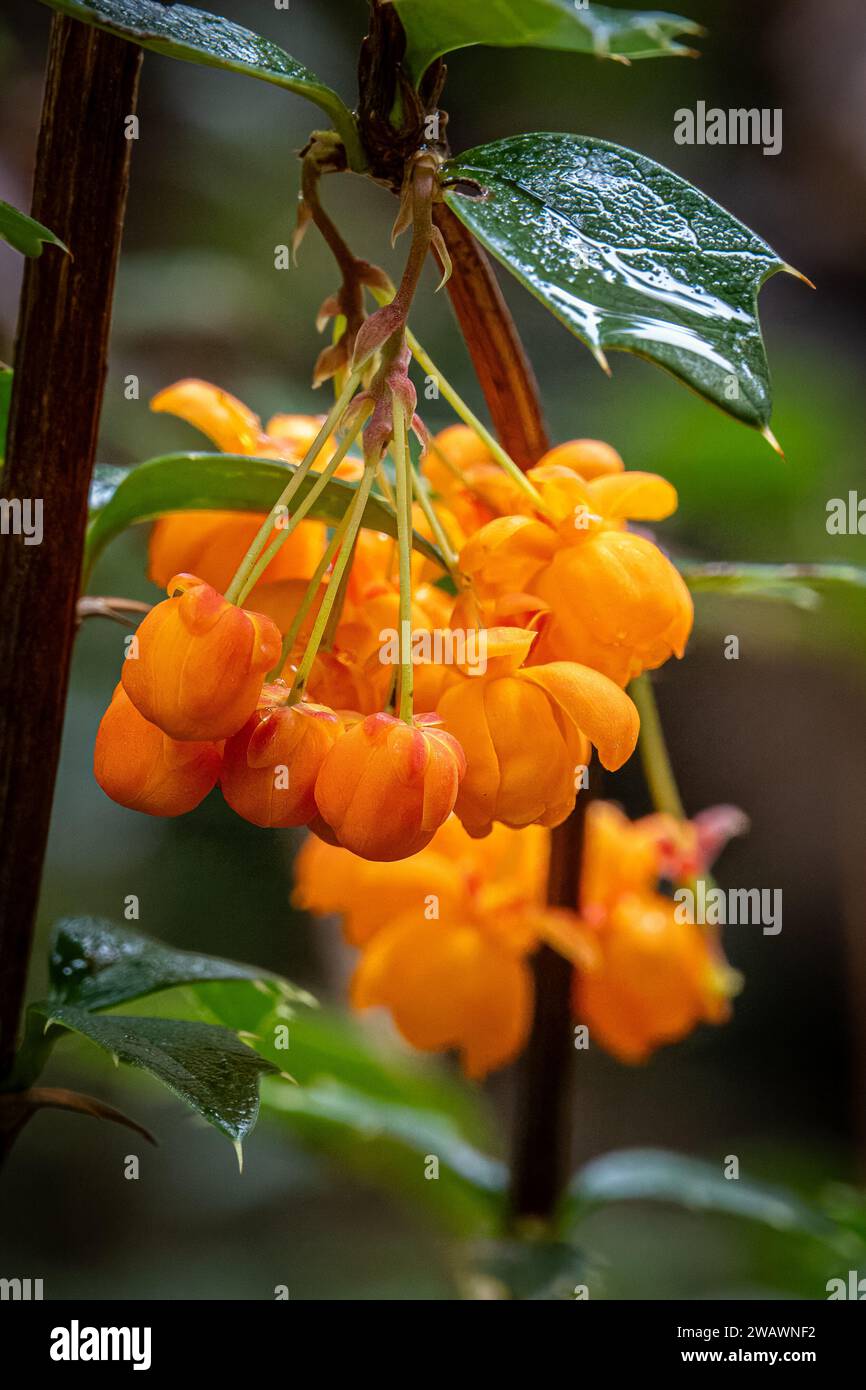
198,36
94,964
206,1066
436,27
221,482
24,233
324,1045
628,256
656,1175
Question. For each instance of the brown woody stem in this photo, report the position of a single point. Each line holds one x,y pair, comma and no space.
501,365
82,170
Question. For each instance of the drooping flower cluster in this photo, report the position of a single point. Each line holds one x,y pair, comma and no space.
445,937
518,671
417,660
326,677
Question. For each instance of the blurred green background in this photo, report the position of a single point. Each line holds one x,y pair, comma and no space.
779,732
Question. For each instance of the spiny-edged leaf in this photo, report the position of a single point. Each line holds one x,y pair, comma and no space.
628,256
24,233
220,482
435,27
95,964
392,1145
5,399
206,1066
801,585
529,1270
656,1175
177,31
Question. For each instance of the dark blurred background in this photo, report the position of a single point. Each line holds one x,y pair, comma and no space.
780,732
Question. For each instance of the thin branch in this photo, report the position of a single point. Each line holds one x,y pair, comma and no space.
82,170
501,365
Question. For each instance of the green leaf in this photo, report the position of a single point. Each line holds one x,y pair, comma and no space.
374,1109
797,584
656,1175
197,36
223,482
628,256
325,1045
95,964
24,233
207,1067
5,401
438,27
391,1145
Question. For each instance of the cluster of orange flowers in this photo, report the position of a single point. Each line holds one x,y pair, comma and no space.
564,603
445,937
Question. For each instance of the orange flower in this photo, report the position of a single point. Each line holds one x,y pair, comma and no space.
359,673
466,477
496,877
648,979
449,986
526,731
622,857
140,767
270,767
654,980
617,604
197,663
614,601
386,786
446,935
212,544
232,426
591,458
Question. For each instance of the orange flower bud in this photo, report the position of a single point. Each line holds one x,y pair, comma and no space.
140,767
197,666
386,786
654,980
270,767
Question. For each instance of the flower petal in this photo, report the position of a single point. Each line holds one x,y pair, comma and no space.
595,704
